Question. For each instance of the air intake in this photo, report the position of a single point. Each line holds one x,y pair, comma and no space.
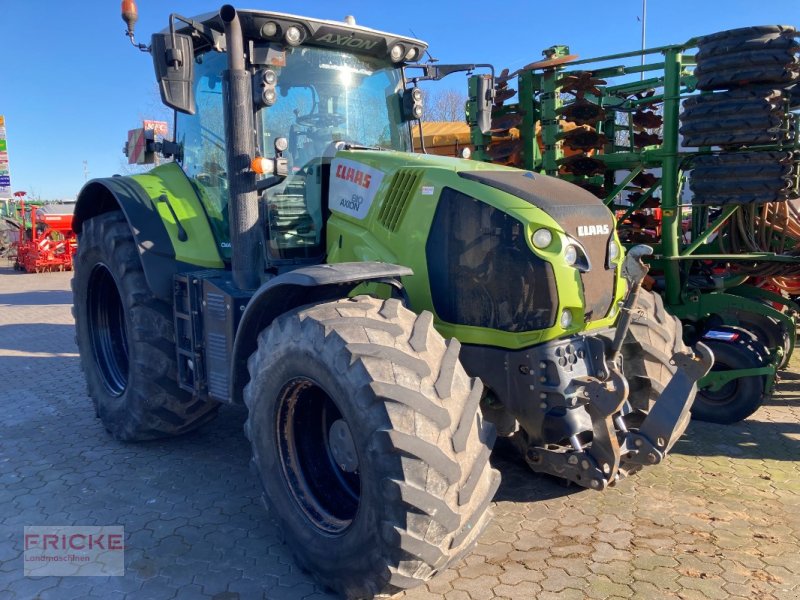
403,185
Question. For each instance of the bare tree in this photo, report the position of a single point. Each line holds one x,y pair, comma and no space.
444,105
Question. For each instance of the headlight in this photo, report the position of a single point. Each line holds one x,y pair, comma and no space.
541,238
570,254
397,53
613,250
293,36
269,29
566,319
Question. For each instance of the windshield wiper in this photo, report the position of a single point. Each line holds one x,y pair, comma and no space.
355,146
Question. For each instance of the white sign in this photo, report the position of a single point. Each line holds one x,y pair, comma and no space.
63,551
353,187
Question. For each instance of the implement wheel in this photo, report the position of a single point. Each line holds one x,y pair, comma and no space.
739,398
126,340
367,438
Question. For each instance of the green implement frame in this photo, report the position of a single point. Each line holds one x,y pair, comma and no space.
622,84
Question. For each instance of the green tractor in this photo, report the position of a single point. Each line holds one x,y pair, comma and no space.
383,315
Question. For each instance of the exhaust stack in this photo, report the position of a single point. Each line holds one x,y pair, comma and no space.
246,237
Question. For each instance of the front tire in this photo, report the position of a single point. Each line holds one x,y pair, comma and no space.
653,337
367,437
126,339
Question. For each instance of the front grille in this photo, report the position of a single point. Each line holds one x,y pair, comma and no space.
482,272
572,207
598,282
402,186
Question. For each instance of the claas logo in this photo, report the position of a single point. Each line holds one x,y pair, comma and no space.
351,174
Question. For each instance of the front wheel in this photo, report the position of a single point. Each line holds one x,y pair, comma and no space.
366,435
652,339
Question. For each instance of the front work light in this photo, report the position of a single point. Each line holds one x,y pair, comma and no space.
570,255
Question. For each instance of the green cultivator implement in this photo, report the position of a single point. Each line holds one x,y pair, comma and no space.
383,315
717,112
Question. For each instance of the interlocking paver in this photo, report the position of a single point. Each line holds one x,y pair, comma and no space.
720,519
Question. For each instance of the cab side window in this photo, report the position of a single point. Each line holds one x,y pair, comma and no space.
202,136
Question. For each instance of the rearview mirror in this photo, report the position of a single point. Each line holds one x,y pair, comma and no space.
174,65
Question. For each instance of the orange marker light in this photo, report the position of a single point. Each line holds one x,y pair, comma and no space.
130,14
261,165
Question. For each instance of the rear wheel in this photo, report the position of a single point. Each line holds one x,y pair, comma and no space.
367,437
126,340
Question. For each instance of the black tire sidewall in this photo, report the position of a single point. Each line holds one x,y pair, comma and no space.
152,405
749,390
356,549
91,253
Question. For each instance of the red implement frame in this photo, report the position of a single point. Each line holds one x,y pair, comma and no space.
49,244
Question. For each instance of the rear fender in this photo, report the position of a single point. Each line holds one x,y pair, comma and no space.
307,285
168,222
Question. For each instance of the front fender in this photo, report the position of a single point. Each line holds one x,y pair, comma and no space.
307,285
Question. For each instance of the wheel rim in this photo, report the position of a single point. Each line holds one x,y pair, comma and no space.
724,394
107,332
319,461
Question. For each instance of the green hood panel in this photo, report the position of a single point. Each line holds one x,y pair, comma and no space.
397,226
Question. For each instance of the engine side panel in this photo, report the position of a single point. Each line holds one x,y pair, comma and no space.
391,221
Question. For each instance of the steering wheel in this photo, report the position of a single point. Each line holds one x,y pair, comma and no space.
320,120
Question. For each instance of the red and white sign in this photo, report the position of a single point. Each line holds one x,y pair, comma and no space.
353,187
137,146
92,550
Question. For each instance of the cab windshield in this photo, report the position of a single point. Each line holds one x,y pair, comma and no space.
322,96
326,96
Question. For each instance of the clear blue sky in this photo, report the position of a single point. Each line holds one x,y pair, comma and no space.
71,85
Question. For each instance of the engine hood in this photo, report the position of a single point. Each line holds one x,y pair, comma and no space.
581,214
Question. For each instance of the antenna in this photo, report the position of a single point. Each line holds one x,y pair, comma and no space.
430,58
644,27
86,170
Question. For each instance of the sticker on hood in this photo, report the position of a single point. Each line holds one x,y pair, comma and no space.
353,187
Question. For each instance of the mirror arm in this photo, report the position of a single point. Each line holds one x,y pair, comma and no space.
434,72
214,37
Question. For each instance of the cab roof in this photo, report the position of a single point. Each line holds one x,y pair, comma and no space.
256,26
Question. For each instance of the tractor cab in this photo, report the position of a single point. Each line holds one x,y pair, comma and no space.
316,86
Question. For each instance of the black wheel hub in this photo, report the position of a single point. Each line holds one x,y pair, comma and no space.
318,456
107,333
723,395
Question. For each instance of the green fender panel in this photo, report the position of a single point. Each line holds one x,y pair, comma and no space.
151,203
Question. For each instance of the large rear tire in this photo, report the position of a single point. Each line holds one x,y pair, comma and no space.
126,339
371,450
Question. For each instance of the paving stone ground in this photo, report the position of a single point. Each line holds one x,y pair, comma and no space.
721,519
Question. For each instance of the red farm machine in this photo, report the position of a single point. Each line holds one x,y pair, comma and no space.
45,241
